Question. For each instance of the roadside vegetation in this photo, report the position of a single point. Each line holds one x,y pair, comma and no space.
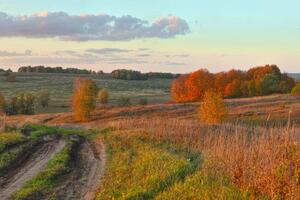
45,181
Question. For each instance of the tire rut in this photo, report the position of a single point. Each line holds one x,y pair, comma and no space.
82,183
37,161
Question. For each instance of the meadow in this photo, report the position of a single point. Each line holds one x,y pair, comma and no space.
60,87
155,151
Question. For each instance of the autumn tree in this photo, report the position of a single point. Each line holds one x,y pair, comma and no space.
232,84
84,98
2,103
179,89
198,83
103,96
212,109
233,90
296,90
44,98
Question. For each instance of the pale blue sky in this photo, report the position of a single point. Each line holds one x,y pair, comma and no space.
223,34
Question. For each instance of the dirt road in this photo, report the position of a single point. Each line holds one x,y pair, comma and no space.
84,180
37,162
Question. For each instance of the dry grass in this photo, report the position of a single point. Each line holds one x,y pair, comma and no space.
258,160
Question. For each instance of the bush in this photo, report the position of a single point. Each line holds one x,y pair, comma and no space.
296,90
44,98
212,109
11,77
143,102
103,96
124,101
84,98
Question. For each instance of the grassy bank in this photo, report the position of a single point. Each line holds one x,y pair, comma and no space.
45,181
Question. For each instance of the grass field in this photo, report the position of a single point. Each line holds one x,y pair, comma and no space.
60,87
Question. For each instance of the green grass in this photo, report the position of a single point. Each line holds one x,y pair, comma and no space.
137,170
36,131
60,87
7,157
9,138
45,181
201,186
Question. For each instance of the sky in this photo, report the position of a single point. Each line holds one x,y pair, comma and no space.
159,35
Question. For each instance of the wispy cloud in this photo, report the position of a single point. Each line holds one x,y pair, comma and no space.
107,51
90,27
13,53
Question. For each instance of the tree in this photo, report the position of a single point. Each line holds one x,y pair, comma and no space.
84,98
179,90
296,90
197,83
2,103
212,109
233,90
270,83
44,98
25,103
103,96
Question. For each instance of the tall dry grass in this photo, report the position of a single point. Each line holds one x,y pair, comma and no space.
261,161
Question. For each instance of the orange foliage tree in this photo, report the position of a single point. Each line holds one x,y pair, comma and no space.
84,98
212,109
231,84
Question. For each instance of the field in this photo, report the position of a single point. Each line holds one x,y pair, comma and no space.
158,151
60,87
154,151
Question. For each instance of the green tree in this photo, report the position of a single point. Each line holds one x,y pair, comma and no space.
270,83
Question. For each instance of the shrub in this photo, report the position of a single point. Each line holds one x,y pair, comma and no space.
296,90
84,98
103,96
212,109
124,101
11,77
44,98
25,103
143,102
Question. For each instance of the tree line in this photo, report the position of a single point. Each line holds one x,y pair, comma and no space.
43,69
125,74
256,81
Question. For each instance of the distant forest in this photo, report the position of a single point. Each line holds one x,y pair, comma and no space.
122,74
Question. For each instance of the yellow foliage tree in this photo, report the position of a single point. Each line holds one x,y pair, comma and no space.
103,96
212,109
84,98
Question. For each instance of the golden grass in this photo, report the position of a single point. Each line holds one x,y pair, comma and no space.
258,160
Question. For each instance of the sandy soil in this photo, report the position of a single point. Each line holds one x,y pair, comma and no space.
15,179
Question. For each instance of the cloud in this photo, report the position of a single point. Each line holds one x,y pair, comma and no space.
89,27
107,51
178,56
13,53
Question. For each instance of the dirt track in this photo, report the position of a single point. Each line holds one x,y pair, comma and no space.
37,161
84,180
